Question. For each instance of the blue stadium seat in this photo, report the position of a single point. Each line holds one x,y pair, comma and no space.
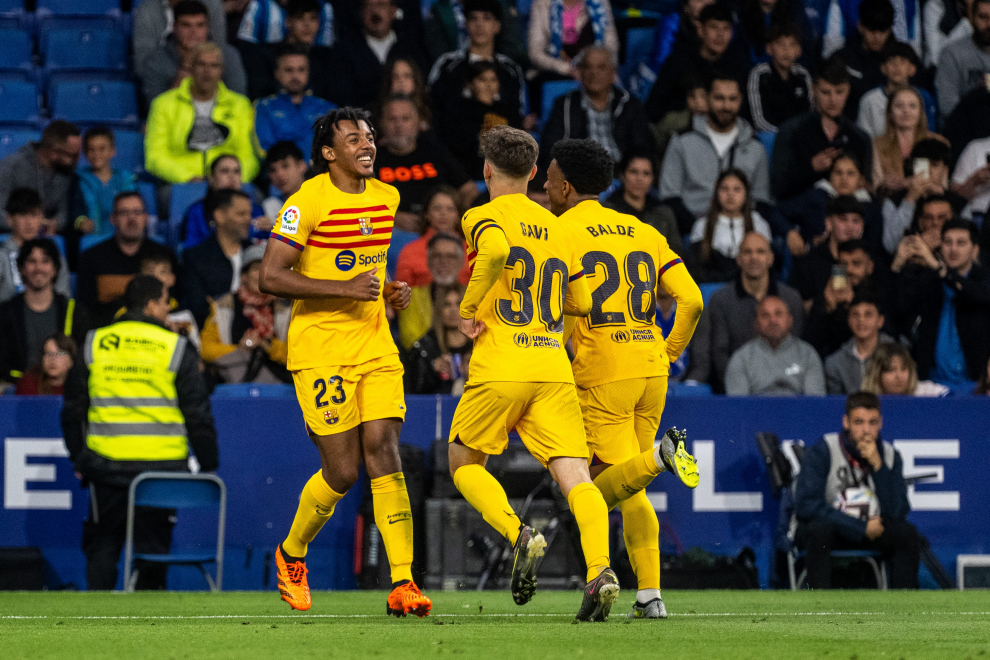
85,14
767,138
19,104
184,195
111,103
639,45
708,289
551,90
12,140
87,241
12,13
15,50
84,49
16,74
253,390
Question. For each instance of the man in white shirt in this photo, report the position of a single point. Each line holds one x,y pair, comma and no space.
971,178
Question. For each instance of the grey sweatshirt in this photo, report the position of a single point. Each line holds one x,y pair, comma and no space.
691,166
844,370
961,67
22,169
153,21
160,67
791,370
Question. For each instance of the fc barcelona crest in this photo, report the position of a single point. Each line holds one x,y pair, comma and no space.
365,225
331,417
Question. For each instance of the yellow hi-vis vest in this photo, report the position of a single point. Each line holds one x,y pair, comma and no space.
133,404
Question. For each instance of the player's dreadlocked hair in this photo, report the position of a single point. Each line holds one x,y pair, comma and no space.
324,129
585,165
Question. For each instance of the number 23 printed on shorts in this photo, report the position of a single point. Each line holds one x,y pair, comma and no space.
332,388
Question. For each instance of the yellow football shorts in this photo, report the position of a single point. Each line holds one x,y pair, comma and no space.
335,399
621,418
547,417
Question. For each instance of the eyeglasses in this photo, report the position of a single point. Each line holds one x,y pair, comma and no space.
56,354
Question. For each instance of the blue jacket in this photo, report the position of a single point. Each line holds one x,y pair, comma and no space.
277,118
197,229
264,23
97,197
810,502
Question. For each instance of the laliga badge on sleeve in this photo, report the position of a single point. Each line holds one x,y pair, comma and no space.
290,220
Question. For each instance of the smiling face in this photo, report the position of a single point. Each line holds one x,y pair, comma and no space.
39,271
353,151
445,260
99,151
442,215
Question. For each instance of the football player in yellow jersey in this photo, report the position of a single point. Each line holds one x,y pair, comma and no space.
327,253
621,360
525,276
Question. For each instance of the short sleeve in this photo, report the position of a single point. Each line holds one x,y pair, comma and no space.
968,163
295,222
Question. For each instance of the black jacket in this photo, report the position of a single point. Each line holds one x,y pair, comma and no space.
194,403
206,272
367,70
864,71
13,334
921,297
685,65
569,120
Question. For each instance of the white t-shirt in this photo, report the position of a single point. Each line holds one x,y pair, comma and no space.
722,141
973,157
729,233
381,47
205,133
235,261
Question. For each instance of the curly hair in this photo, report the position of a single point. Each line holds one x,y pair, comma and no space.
325,128
585,165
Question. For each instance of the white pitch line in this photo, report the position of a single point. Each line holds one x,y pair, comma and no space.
438,616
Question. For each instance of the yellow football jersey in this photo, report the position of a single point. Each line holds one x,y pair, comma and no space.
340,235
523,311
623,259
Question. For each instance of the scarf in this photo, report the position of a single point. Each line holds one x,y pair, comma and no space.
258,310
463,41
595,12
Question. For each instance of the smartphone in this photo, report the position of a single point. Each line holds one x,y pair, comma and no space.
921,168
839,280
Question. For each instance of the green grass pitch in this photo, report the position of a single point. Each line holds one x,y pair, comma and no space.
703,625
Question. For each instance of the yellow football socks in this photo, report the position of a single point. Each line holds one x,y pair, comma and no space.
591,516
641,531
393,516
316,503
622,481
487,496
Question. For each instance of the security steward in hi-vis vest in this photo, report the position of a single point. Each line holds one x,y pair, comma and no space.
135,402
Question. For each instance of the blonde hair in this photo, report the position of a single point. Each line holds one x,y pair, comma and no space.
882,361
208,47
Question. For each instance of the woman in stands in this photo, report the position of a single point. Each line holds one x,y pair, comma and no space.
442,213
437,363
906,126
634,197
402,76
892,370
57,356
715,238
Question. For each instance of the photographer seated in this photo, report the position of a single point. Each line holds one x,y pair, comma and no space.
851,494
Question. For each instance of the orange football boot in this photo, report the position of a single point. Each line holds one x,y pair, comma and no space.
292,582
408,599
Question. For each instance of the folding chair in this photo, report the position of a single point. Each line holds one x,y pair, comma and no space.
872,557
176,490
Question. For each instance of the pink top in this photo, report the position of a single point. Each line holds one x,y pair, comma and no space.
570,17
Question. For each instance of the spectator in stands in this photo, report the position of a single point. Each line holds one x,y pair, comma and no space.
712,54
213,267
266,22
245,338
598,109
852,279
922,242
106,268
287,169
971,178
678,31
197,225
634,196
36,313
453,73
947,305
945,21
402,77
47,167
716,142
807,211
179,319
715,237
25,219
469,117
415,162
446,258
781,88
367,52
678,121
167,65
447,30
49,373
105,453
845,368
728,320
559,30
775,362
964,63
863,51
98,183
290,114
442,213
154,22
892,371
189,126
851,494
759,20
901,213
899,64
437,363
969,121
843,222
906,127
807,144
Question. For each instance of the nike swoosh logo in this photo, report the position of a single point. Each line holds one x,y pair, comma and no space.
392,522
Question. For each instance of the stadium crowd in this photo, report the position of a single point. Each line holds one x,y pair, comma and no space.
822,167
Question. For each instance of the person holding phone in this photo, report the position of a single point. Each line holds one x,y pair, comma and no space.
971,178
907,125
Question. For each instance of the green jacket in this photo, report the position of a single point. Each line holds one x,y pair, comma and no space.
170,122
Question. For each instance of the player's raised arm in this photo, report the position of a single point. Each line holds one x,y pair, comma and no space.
677,281
278,278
